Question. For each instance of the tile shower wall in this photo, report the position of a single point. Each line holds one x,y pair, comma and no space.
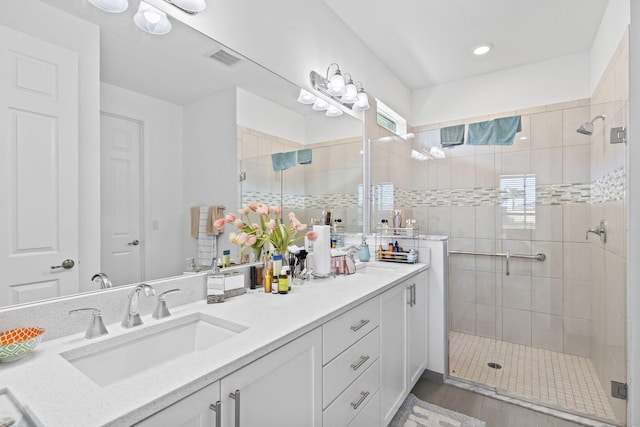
331,181
574,302
542,304
608,260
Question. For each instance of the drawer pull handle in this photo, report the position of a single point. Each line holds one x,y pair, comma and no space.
236,396
359,363
363,396
215,407
357,327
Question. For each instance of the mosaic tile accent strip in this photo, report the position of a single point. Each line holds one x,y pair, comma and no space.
321,201
551,378
273,199
545,195
610,187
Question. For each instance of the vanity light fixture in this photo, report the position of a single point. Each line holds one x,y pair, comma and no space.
352,97
189,6
320,104
151,20
362,103
111,6
333,111
336,85
305,97
351,92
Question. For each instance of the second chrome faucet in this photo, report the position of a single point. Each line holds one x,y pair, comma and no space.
132,316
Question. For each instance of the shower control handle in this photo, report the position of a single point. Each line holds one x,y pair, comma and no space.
600,230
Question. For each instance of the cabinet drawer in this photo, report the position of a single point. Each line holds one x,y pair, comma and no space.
354,399
348,366
370,414
349,327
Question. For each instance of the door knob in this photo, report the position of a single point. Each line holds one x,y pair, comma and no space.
134,243
66,264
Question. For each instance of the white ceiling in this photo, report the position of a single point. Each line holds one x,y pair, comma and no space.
424,42
430,42
174,67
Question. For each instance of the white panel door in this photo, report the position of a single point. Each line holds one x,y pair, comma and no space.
121,199
38,168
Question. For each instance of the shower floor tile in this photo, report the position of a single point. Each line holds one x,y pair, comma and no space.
548,377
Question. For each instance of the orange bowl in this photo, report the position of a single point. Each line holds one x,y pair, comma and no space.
17,343
20,334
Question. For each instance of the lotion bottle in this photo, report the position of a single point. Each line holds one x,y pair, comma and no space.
283,282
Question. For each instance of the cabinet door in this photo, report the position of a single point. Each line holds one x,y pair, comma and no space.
192,411
417,328
393,350
283,388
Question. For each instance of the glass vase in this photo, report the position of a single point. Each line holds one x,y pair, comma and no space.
257,254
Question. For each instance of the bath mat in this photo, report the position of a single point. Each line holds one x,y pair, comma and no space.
417,413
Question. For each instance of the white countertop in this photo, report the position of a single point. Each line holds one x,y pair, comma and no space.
60,395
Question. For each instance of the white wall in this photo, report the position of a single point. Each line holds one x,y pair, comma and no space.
291,46
612,28
321,128
255,112
62,29
541,83
633,232
210,174
162,162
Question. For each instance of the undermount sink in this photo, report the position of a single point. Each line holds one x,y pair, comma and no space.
119,358
375,269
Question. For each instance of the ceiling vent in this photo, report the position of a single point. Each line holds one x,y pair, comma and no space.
225,57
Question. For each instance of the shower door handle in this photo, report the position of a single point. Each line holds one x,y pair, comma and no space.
508,256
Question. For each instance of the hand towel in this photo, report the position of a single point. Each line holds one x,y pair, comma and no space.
480,133
452,135
213,213
505,129
282,161
305,156
195,221
206,245
494,132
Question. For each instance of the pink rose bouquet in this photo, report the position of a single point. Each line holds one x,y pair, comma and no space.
265,229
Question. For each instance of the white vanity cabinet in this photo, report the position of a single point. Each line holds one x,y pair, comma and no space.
351,371
195,410
417,328
403,342
283,388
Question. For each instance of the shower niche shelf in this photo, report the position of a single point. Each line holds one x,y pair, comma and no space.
407,239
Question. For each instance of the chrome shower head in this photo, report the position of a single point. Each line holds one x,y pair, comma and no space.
587,128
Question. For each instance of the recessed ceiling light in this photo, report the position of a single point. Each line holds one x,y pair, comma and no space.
483,49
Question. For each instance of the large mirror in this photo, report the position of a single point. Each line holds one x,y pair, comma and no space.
113,135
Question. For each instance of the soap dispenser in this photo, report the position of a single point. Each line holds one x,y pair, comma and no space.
364,254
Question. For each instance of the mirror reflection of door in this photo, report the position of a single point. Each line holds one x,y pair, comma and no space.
121,199
38,173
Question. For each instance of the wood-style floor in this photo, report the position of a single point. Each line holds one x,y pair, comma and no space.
494,412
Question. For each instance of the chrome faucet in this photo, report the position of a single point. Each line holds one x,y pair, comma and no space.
132,317
96,327
161,309
103,279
